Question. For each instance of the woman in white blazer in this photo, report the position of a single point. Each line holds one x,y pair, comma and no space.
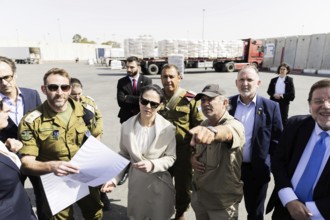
148,141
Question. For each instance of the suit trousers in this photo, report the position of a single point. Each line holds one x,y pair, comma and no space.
254,193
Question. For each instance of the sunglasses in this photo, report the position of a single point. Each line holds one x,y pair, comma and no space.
54,87
1,105
146,102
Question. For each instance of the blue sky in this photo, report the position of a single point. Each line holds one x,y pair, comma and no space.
101,20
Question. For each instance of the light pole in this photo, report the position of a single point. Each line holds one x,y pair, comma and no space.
203,24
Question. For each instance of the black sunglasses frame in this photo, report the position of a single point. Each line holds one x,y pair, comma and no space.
144,101
54,87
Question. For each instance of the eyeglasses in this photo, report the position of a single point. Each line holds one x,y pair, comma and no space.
320,101
54,87
146,102
6,78
1,105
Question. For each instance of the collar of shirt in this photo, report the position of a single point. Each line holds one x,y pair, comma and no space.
254,100
135,77
16,111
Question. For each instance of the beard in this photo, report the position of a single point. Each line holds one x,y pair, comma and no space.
58,102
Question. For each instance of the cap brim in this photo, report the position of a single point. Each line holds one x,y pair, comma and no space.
208,94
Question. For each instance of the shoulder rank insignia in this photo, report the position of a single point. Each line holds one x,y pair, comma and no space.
190,95
90,98
90,108
32,116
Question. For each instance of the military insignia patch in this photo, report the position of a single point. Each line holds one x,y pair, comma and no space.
26,135
32,116
90,108
56,134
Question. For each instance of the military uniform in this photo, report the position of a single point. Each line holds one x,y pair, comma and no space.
47,138
97,121
184,114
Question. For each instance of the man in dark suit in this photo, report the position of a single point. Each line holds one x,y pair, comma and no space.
20,100
291,161
128,89
263,125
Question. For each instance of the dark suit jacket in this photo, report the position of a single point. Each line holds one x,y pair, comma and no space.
289,94
284,162
267,129
15,203
31,100
129,103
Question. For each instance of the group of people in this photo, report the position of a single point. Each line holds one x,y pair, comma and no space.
206,149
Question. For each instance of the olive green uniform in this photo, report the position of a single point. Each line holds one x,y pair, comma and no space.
184,115
47,138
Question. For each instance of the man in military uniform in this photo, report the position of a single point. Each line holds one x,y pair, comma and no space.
183,112
97,123
52,134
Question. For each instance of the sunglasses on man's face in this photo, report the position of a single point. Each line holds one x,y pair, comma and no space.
1,105
54,87
144,101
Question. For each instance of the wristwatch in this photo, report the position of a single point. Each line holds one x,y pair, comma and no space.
213,129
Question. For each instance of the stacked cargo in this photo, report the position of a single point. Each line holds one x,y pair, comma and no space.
230,48
140,47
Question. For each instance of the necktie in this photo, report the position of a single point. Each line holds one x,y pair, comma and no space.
134,86
304,189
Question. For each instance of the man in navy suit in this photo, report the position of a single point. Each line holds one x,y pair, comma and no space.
263,125
292,158
127,95
20,100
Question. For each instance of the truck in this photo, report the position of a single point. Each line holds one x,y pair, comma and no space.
251,53
110,56
22,55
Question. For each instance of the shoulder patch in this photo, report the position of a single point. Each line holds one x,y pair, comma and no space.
89,107
32,116
26,135
190,94
90,98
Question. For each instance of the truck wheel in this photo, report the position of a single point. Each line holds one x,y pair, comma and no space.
217,67
153,69
230,67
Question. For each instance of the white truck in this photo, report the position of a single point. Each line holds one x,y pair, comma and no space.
22,55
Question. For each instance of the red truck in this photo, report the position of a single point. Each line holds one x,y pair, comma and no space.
252,53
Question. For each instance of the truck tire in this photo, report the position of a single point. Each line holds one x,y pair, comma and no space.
218,67
230,67
153,69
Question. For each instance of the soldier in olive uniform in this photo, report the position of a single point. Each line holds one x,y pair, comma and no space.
183,112
88,103
52,134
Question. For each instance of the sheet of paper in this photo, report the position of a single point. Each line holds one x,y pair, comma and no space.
61,192
97,164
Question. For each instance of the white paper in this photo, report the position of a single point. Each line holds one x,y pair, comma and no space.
97,164
62,193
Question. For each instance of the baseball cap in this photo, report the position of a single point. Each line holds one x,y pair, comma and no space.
211,90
